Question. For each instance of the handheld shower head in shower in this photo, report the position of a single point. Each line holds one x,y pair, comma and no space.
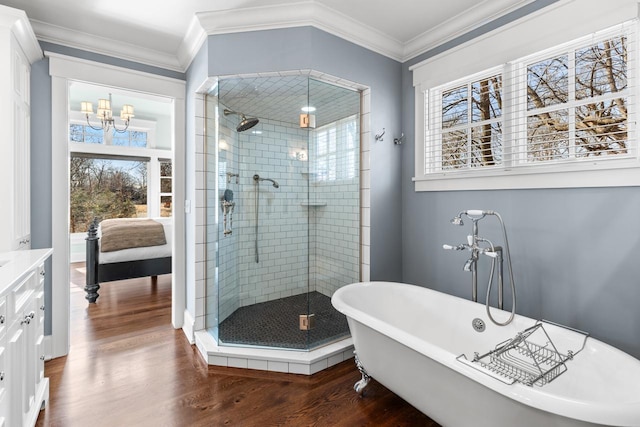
246,123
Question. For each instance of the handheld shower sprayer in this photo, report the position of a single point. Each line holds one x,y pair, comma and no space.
472,214
473,244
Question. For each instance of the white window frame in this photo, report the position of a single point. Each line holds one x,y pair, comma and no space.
152,155
522,39
340,153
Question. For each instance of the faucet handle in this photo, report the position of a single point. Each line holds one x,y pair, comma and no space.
491,254
453,248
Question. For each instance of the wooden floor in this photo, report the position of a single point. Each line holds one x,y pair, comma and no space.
129,367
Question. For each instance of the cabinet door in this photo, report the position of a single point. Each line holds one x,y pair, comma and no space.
21,144
4,399
15,386
38,329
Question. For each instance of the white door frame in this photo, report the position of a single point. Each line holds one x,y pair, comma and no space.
64,70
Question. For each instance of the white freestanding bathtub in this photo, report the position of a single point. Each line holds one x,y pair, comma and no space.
410,339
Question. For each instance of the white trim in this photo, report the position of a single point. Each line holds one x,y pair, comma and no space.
191,44
521,39
274,360
105,46
305,13
188,327
482,13
63,71
17,22
605,176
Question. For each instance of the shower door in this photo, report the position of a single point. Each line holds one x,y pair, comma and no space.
286,197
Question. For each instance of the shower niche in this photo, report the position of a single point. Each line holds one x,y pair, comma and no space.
283,204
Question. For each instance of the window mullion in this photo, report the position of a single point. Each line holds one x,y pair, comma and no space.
572,104
469,125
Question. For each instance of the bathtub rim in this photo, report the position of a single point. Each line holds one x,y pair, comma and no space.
623,414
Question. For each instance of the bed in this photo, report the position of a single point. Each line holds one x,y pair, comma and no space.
132,248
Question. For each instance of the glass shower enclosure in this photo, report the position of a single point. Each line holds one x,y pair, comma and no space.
283,222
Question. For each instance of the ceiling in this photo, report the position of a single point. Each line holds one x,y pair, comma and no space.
169,36
282,98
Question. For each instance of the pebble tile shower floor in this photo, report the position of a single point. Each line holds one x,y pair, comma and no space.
276,323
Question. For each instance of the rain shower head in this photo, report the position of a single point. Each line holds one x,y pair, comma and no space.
246,123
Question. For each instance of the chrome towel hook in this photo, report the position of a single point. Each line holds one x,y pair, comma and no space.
379,136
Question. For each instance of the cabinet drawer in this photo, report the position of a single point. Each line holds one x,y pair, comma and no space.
40,308
41,273
3,317
21,294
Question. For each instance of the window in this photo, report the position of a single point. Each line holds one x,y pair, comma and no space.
570,104
106,188
82,133
336,150
130,138
85,134
523,108
117,174
577,103
470,128
166,187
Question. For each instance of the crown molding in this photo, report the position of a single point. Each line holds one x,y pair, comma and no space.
305,13
18,23
482,13
104,46
191,43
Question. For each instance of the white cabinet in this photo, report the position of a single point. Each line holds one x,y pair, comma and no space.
24,390
19,48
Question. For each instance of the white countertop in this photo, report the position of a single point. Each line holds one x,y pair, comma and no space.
13,265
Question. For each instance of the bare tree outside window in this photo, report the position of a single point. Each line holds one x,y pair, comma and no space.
471,124
596,123
106,188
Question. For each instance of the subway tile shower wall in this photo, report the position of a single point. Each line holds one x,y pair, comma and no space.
308,228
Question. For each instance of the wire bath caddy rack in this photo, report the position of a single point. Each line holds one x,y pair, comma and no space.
530,358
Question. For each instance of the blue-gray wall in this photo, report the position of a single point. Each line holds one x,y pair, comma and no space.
573,250
41,199
41,196
307,48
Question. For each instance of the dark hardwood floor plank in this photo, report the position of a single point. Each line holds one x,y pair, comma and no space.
128,367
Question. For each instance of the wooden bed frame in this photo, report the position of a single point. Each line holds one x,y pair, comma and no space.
98,273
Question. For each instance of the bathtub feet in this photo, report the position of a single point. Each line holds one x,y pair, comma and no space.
360,385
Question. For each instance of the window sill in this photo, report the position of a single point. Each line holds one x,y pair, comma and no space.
625,174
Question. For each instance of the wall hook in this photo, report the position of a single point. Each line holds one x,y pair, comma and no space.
379,136
399,141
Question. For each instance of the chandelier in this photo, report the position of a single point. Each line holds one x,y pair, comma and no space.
105,114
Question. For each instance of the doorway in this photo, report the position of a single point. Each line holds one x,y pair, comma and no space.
65,72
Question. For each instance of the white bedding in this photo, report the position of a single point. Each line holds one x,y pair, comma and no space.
148,252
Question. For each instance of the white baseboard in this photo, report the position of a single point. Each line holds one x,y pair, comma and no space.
188,327
48,347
